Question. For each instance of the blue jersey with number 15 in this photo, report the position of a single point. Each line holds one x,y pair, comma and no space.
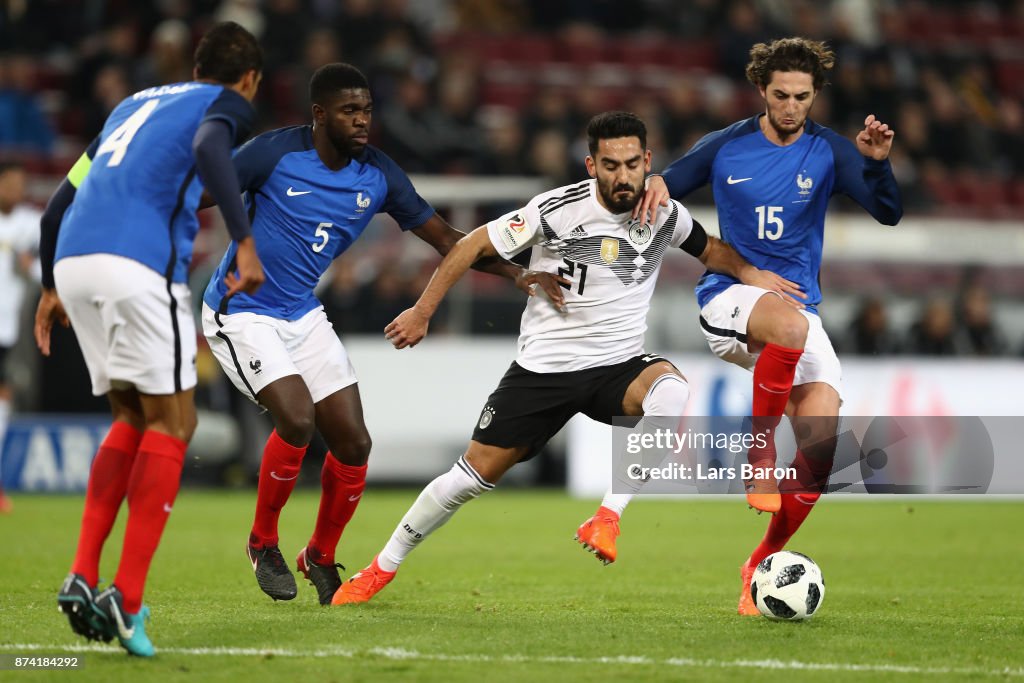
772,199
140,196
305,214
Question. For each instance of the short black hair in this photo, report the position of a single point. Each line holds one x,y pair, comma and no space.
226,53
615,124
330,79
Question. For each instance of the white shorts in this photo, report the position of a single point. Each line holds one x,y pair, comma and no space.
132,331
255,350
724,323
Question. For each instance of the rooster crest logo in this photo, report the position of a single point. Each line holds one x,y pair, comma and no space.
363,204
805,184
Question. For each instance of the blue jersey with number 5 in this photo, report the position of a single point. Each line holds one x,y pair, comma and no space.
140,196
305,214
772,200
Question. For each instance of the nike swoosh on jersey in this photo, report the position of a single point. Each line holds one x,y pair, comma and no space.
355,498
167,508
292,192
733,181
273,475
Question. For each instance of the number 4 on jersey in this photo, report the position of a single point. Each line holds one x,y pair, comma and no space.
117,142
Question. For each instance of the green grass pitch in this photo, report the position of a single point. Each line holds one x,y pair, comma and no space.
915,591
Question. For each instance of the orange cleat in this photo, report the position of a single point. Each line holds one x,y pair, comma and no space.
363,585
747,608
597,535
6,506
763,495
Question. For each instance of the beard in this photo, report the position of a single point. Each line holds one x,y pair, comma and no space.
619,203
783,130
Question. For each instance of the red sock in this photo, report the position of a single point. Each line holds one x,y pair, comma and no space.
278,472
798,498
773,381
108,482
152,489
342,489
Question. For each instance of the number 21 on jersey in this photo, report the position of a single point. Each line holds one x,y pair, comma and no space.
769,223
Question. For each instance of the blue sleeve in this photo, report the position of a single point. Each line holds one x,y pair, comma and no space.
403,203
867,181
693,170
255,161
236,111
56,207
212,149
49,228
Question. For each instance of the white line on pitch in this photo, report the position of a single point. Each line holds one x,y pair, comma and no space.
403,654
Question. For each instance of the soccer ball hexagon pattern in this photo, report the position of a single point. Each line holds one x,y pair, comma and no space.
787,586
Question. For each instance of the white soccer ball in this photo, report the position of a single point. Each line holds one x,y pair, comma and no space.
787,585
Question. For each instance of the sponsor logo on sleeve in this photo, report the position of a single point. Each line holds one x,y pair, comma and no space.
514,231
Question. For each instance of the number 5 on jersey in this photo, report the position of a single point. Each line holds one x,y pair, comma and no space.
321,233
768,215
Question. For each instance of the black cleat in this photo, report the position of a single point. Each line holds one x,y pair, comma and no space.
77,600
324,577
272,573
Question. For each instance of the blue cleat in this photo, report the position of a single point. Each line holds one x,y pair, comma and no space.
77,600
130,629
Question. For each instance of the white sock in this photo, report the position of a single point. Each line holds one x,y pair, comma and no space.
667,396
435,506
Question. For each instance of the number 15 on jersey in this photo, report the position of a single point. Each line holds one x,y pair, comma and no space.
769,223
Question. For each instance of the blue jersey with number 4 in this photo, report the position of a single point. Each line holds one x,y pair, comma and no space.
140,196
304,215
772,199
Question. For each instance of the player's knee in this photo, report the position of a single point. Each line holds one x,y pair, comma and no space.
668,395
791,331
296,424
354,451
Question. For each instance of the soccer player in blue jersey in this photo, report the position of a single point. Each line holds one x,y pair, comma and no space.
772,176
115,250
312,191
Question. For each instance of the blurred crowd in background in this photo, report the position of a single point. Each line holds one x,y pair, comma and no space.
504,87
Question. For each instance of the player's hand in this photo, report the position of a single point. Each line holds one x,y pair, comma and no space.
875,140
655,195
250,270
766,279
50,309
551,284
408,329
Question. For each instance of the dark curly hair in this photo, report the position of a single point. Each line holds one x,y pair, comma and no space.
790,54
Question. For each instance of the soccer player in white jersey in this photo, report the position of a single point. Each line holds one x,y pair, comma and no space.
584,357
19,239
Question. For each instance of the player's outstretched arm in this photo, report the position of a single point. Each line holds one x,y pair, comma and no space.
722,258
439,234
410,327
